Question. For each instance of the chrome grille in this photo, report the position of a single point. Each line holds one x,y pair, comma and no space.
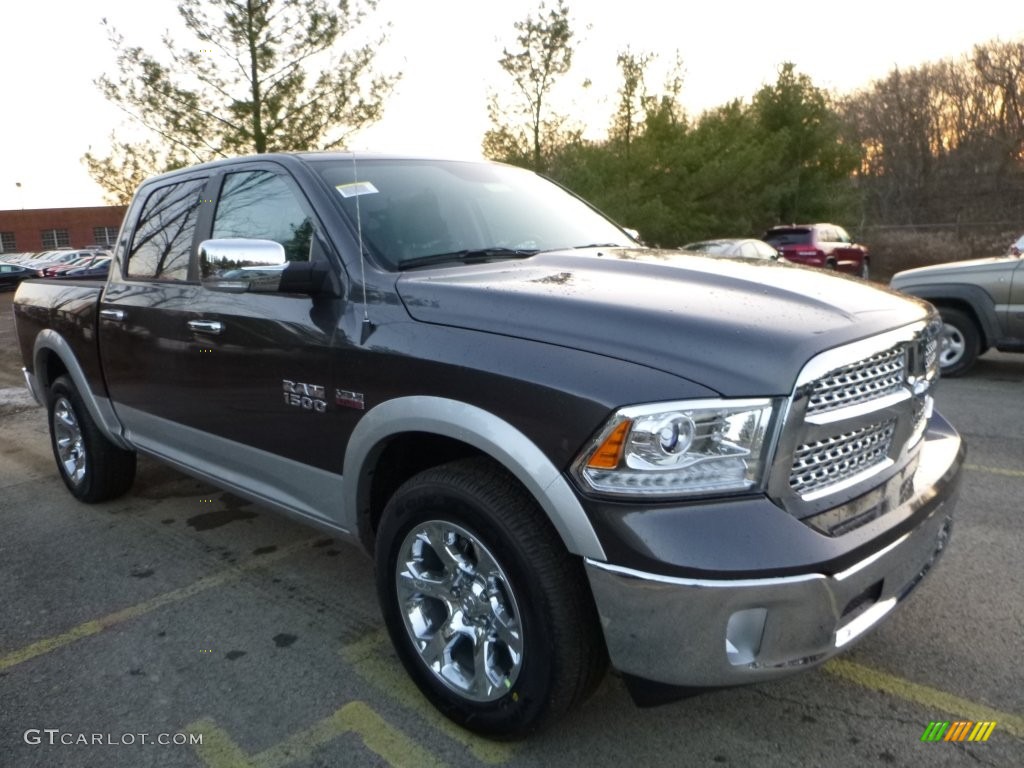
867,380
823,463
931,354
856,421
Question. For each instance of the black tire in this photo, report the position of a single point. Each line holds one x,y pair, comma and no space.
961,342
830,265
92,467
551,655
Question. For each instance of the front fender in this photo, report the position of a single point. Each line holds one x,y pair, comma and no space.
485,432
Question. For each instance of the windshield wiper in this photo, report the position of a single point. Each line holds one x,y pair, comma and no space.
468,256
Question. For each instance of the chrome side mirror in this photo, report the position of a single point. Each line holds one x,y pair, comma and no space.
240,265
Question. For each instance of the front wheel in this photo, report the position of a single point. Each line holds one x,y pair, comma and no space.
865,270
489,613
960,344
92,467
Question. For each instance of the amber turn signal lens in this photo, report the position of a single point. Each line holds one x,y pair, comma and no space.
609,452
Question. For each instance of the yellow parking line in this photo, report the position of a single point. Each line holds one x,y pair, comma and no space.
89,628
390,678
995,470
380,737
929,698
217,749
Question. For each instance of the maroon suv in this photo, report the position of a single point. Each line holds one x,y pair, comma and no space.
820,245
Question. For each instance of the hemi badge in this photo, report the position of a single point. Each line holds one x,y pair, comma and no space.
349,399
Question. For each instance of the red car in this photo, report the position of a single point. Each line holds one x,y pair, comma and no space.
820,245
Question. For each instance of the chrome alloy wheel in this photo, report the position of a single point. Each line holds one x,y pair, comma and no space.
952,346
459,610
68,436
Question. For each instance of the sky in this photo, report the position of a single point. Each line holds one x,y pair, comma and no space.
53,51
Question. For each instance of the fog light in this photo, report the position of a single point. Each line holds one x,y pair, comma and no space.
743,635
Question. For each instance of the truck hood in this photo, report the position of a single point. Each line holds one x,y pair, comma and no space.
738,326
959,268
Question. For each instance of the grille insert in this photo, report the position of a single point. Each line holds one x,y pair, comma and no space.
823,463
931,354
867,380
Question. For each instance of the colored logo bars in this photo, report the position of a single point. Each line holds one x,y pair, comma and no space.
961,730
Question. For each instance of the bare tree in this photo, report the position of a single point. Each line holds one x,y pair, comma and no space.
944,141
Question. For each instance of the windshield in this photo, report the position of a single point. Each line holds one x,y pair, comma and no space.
417,209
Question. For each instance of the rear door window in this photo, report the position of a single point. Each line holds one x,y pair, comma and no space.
162,242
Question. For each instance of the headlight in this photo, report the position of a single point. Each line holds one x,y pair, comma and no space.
679,449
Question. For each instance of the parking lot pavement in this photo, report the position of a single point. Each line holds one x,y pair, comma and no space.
183,613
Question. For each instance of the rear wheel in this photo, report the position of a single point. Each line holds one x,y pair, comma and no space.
92,467
489,613
960,344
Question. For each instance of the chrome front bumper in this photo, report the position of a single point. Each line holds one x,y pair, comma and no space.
720,632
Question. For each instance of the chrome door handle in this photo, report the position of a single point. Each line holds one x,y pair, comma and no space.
112,314
206,326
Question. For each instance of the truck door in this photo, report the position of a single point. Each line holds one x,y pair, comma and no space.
236,380
142,332
260,362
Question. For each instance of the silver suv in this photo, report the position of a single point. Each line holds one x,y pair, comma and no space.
981,302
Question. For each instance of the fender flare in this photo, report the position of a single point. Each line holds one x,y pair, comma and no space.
485,432
100,408
979,301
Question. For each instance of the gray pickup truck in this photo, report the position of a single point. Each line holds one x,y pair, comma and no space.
981,302
560,448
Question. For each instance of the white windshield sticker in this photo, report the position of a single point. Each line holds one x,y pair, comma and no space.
356,188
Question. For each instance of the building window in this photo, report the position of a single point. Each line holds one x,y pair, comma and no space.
104,235
55,238
7,242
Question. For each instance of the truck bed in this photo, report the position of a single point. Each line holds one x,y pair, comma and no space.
69,308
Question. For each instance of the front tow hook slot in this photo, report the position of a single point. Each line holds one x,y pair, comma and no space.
743,635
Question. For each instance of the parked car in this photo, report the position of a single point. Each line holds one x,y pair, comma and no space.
12,274
27,256
54,259
98,269
979,301
15,258
820,245
708,472
83,261
742,248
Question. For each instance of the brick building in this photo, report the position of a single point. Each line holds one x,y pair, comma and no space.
44,229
